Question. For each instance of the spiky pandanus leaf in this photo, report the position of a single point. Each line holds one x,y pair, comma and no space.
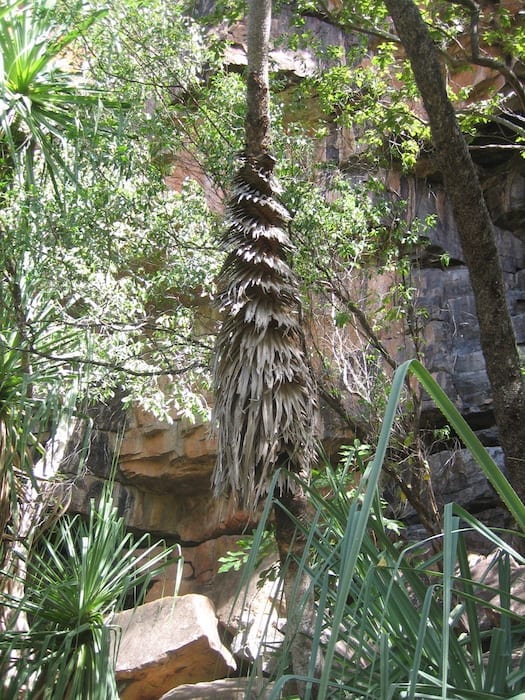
265,404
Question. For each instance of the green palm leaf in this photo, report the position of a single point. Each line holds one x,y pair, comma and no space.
40,102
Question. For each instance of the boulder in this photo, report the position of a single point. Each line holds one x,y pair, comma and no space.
166,643
227,689
484,568
254,614
458,477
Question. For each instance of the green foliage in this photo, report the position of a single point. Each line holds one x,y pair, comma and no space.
378,106
39,101
345,476
168,69
38,110
356,248
130,268
93,260
358,225
221,10
506,32
400,620
123,265
78,576
235,560
370,90
36,392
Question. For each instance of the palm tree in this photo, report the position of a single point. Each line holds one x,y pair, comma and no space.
264,388
265,395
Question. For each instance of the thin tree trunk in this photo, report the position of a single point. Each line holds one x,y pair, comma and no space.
257,123
476,234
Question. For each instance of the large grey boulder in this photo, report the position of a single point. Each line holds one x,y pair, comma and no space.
166,643
459,478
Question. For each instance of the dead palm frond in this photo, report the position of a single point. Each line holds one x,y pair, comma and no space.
265,402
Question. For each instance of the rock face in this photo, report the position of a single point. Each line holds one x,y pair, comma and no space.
179,455
166,643
452,347
452,351
162,484
461,480
505,195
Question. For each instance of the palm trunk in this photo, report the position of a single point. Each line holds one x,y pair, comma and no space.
264,389
298,591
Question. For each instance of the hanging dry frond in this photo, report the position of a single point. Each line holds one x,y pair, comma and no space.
264,391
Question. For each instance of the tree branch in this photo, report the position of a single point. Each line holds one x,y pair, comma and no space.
79,360
329,17
477,59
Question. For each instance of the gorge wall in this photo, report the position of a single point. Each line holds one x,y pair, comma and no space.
162,483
